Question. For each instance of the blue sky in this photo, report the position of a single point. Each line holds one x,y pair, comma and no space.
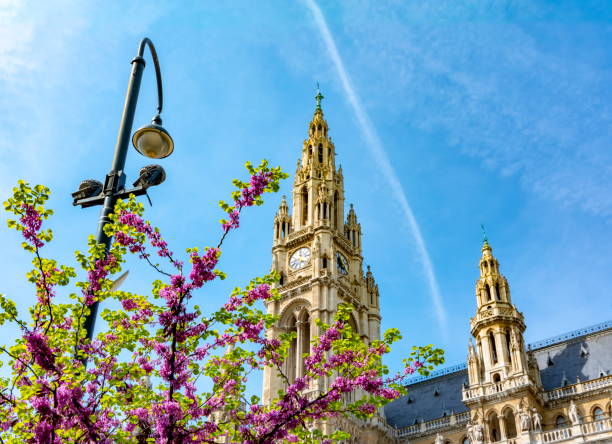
455,112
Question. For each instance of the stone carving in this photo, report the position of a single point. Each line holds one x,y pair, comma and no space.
475,432
574,416
439,439
537,420
525,419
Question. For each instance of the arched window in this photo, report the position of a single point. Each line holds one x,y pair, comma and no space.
561,421
299,325
282,278
320,153
335,210
283,230
466,440
494,432
304,337
488,293
324,261
304,206
290,368
497,291
510,423
508,345
496,377
598,414
319,127
493,348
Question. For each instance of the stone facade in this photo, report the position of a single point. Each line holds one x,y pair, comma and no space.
555,391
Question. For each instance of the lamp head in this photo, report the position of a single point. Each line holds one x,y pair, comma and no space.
88,188
153,140
150,175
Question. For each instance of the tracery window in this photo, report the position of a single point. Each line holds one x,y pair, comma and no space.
598,414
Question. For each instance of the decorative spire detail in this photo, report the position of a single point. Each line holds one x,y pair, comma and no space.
319,97
485,239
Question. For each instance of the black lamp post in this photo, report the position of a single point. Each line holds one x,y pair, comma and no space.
151,140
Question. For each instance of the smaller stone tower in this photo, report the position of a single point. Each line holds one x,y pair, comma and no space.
499,368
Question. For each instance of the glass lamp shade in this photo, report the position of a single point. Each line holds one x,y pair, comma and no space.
153,141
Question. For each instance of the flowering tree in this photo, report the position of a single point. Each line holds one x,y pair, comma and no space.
137,381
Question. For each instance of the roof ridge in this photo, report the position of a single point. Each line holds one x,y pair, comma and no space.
571,335
437,373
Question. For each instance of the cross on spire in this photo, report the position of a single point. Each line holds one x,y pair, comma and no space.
485,239
319,97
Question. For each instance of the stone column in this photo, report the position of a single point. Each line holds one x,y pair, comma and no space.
501,420
486,352
502,350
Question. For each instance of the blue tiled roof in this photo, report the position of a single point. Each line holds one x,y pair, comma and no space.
575,355
579,357
427,400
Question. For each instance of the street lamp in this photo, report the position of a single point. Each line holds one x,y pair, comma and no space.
151,141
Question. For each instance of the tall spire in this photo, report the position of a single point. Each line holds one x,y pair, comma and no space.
318,98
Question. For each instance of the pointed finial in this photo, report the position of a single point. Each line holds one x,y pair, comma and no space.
319,97
485,239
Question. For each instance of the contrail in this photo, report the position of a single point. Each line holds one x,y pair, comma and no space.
381,158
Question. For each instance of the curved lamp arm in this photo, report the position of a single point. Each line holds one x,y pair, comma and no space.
160,92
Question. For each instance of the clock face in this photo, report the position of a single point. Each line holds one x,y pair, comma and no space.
300,258
341,263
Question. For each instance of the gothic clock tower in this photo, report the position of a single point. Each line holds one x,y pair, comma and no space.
318,255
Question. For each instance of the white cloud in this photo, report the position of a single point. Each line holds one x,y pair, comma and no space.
530,101
382,160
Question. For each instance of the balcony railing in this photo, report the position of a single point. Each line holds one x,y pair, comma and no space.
493,388
427,427
580,432
581,387
556,435
596,427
